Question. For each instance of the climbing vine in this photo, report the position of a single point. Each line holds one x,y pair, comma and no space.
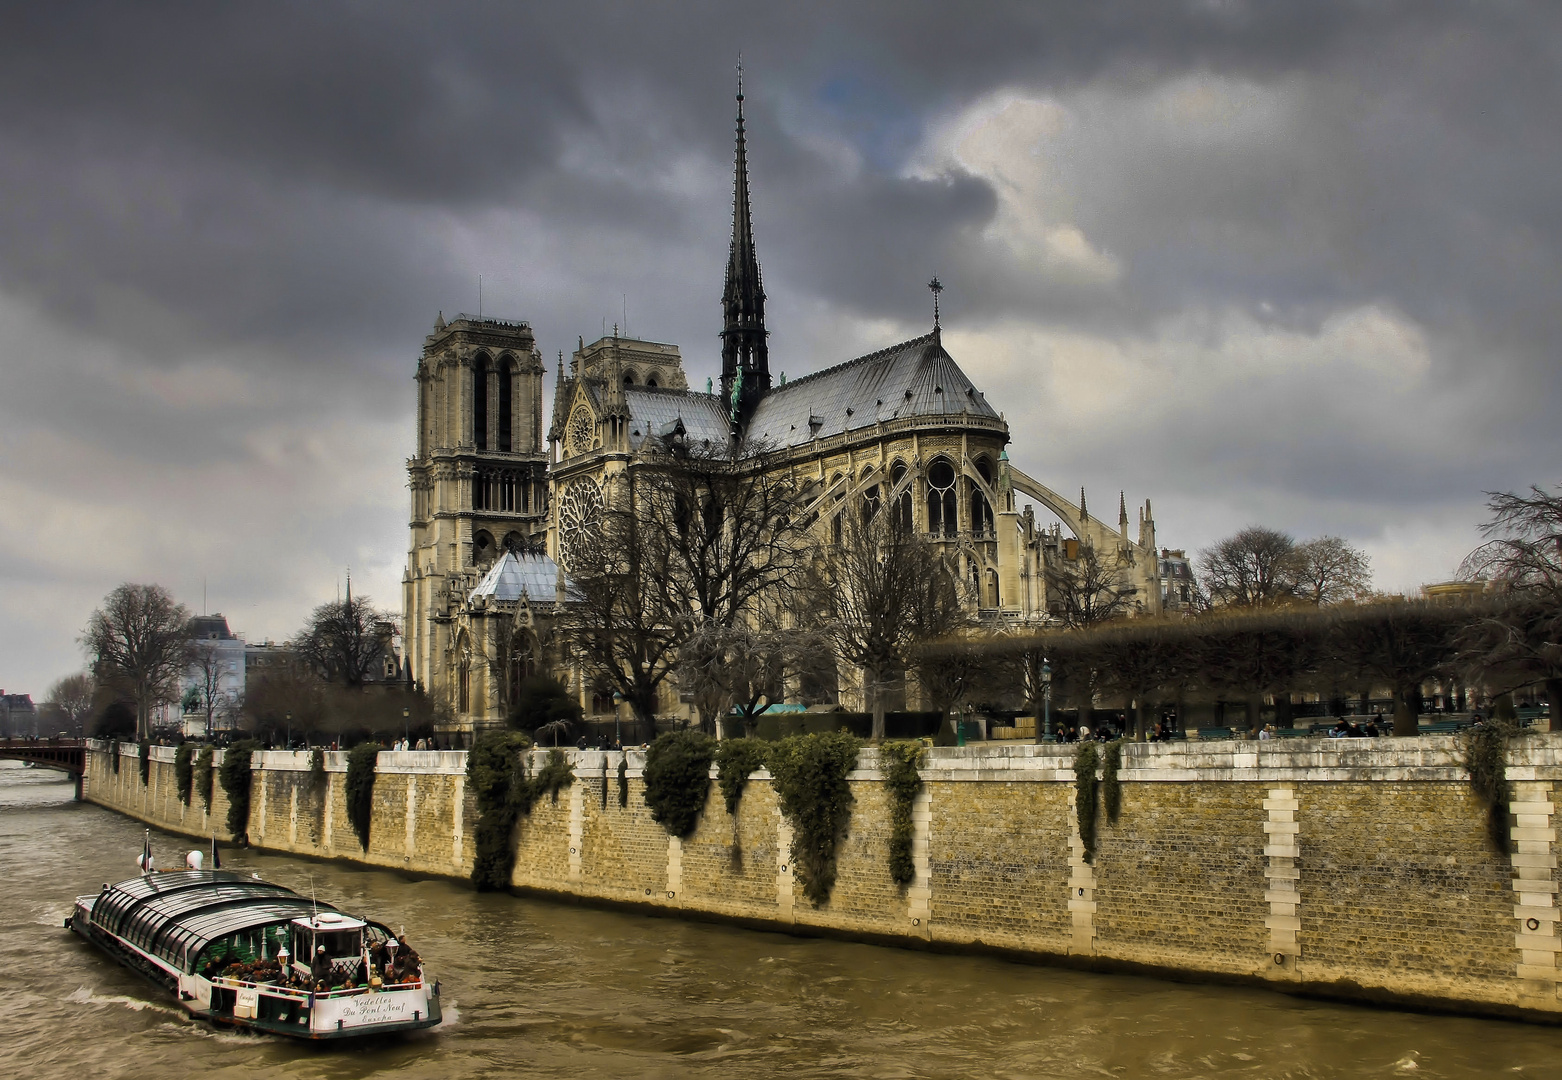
184,773
623,781
677,779
1111,788
144,753
236,776
113,754
317,768
203,769
1485,756
1085,792
810,778
361,760
899,761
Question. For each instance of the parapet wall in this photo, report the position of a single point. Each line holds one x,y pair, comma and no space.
1355,868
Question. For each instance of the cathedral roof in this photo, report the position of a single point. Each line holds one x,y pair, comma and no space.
656,413
915,378
534,576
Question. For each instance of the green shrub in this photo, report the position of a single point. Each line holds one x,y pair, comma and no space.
496,773
810,778
361,760
677,779
1485,756
1085,793
541,700
113,754
203,771
1111,788
184,773
144,753
899,761
236,776
736,760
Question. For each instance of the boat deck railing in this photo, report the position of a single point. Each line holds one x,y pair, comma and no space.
279,990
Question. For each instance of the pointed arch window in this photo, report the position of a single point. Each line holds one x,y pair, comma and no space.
902,508
480,403
941,518
981,509
506,406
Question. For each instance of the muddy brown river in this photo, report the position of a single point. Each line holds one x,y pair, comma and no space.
534,988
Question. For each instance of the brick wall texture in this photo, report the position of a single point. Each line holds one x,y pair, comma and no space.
1398,892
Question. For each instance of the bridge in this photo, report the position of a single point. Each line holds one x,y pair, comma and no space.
66,755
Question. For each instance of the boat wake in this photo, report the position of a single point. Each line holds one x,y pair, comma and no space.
84,995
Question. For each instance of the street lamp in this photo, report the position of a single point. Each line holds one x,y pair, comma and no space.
618,718
290,731
406,715
1046,701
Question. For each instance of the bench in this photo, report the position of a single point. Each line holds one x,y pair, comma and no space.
1214,733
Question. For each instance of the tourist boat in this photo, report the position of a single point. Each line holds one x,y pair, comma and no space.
239,951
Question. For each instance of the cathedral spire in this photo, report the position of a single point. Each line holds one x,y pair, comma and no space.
745,358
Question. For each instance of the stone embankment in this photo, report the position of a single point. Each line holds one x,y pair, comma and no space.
1351,868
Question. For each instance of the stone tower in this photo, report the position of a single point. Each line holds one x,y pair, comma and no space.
479,476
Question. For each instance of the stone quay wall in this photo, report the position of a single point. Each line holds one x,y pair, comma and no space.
1348,868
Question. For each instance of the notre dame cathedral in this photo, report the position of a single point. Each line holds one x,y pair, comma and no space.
496,506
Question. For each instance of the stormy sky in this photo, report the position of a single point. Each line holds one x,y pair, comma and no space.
1289,264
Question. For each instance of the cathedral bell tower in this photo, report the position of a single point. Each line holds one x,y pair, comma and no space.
745,356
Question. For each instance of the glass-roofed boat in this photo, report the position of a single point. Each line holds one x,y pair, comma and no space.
237,950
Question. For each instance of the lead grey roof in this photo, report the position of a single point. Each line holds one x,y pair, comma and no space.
532,575
914,378
655,413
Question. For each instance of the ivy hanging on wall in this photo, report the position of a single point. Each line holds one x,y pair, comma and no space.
144,754
203,772
1111,787
184,771
361,760
623,781
236,778
604,781
899,762
677,779
317,768
1485,756
736,761
113,754
1085,792
496,770
810,778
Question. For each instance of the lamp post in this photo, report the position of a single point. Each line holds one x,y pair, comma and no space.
289,743
618,718
1046,701
406,720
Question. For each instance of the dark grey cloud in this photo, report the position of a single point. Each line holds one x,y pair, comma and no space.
1290,261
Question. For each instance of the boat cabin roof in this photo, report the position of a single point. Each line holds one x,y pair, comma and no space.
175,915
329,922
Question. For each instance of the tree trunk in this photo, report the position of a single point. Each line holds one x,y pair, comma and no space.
1138,711
1554,701
1285,715
1255,712
870,688
1405,719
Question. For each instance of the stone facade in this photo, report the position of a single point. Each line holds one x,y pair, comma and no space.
1325,866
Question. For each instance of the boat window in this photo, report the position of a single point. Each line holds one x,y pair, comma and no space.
338,943
242,947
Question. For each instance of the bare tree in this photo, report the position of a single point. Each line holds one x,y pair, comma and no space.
1328,570
138,639
346,640
1087,591
1254,568
73,696
1401,645
1519,643
745,668
209,664
883,589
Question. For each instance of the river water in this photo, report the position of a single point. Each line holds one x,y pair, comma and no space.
533,988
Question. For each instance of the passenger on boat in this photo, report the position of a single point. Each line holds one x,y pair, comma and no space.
320,970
